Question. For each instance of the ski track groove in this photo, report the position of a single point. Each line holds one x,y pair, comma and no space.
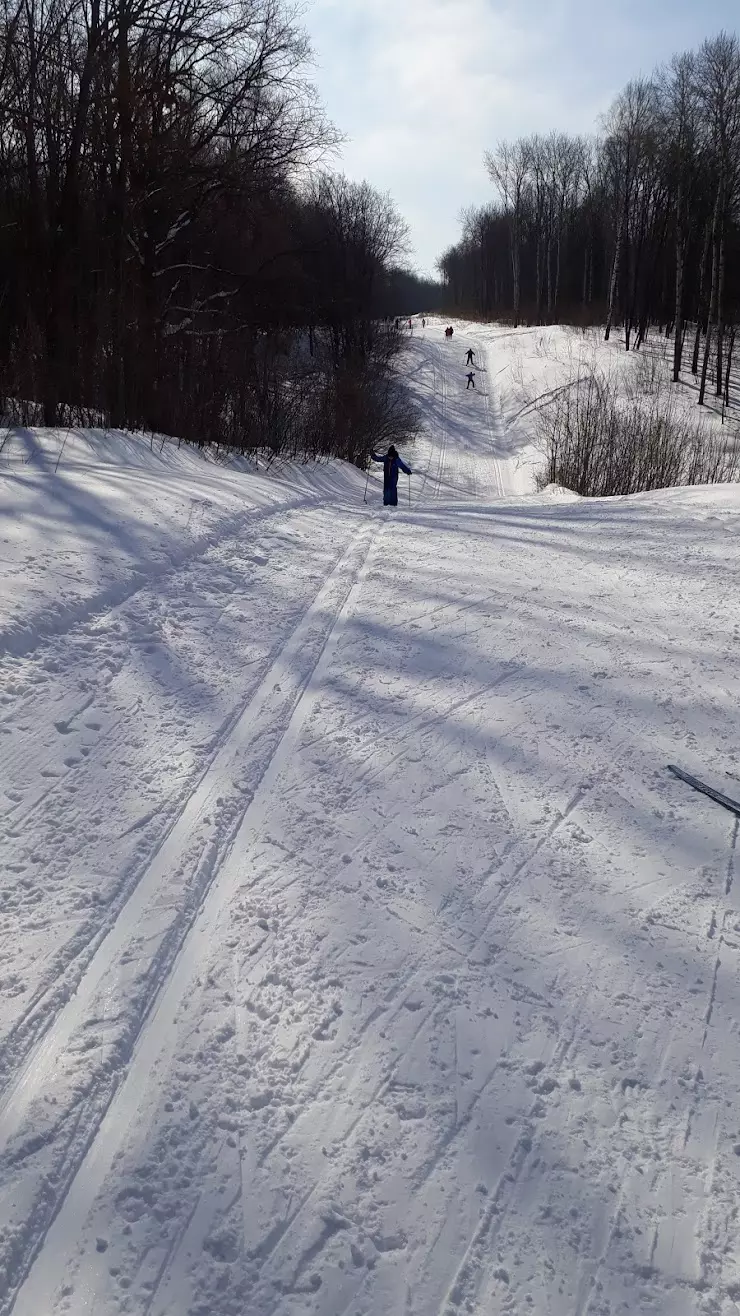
334,1065
31,1024
470,1266
592,1269
10,1119
418,969
165,976
420,724
729,876
381,1088
170,1252
474,1263
496,431
443,426
54,623
420,966
27,1029
17,814
581,793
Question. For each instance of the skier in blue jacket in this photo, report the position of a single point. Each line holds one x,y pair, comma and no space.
392,464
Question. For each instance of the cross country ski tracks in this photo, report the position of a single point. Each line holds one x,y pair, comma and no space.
97,763
333,1141
441,428
304,1076
484,1260
70,733
318,1174
507,871
26,634
92,1044
711,1132
356,1056
420,724
431,352
493,429
417,1130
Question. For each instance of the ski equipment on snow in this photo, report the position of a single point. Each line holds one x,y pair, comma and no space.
717,796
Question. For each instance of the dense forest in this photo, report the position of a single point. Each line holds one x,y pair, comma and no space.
175,254
636,226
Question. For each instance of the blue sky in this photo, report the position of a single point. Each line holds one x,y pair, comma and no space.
423,87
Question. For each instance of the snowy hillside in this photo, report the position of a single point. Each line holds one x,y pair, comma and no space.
360,957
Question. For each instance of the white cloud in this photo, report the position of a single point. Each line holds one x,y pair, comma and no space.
423,87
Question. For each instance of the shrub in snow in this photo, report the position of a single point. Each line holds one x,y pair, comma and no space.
599,442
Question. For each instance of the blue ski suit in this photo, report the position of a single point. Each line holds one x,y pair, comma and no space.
391,467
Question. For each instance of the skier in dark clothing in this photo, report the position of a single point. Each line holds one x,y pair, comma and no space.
471,380
392,464
469,357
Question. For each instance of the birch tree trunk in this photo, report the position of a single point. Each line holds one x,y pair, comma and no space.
614,282
680,261
702,312
712,296
720,313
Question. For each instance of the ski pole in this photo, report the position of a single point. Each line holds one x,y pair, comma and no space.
364,498
409,491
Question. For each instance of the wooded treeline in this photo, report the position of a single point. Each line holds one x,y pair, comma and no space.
172,255
636,226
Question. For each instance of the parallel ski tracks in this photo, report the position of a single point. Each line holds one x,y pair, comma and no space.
492,430
444,436
473,1263
438,386
244,768
436,354
20,818
381,1022
53,623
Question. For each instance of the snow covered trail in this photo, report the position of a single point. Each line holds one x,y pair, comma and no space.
127,786
157,916
396,977
462,453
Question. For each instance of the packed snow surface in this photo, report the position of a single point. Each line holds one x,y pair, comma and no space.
360,957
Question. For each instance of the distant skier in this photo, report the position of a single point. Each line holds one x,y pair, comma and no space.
392,464
423,323
471,380
469,358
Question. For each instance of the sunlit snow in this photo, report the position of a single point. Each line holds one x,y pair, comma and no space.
360,957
